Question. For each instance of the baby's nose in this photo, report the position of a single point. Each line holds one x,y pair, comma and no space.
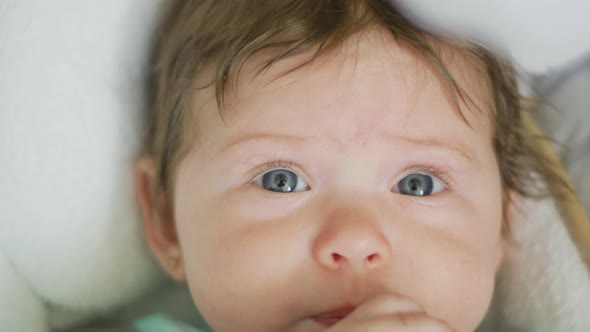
352,242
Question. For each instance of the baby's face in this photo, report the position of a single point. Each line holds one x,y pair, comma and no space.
338,182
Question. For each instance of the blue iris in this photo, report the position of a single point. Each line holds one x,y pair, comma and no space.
416,185
280,180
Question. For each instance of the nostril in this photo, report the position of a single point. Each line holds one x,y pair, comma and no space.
373,258
337,257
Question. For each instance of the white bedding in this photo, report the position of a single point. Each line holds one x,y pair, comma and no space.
568,90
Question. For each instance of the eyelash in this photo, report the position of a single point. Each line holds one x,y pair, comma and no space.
276,164
432,171
281,164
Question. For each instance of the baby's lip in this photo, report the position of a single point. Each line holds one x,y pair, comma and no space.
331,317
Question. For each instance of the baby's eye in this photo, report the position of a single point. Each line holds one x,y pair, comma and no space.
418,184
282,181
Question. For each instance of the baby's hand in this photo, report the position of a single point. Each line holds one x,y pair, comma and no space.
389,313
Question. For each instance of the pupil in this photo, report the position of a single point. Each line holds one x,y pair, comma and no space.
414,184
280,180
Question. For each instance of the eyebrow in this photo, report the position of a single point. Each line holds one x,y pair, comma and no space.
260,137
428,142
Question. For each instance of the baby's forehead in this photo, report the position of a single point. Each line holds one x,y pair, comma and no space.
369,91
367,70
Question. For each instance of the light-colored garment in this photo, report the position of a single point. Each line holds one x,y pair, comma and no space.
162,323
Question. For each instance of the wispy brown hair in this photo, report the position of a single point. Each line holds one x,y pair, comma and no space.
225,34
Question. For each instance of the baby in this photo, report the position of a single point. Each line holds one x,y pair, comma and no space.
324,165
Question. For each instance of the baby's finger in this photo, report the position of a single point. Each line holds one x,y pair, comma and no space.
415,322
410,322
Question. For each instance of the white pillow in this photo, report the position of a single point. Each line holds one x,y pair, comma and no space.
539,34
71,101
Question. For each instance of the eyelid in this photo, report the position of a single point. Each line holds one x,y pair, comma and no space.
443,176
273,165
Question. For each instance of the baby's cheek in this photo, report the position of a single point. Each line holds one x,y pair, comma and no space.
473,296
461,286
446,260
236,272
220,276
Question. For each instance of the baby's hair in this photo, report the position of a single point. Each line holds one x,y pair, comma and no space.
225,34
